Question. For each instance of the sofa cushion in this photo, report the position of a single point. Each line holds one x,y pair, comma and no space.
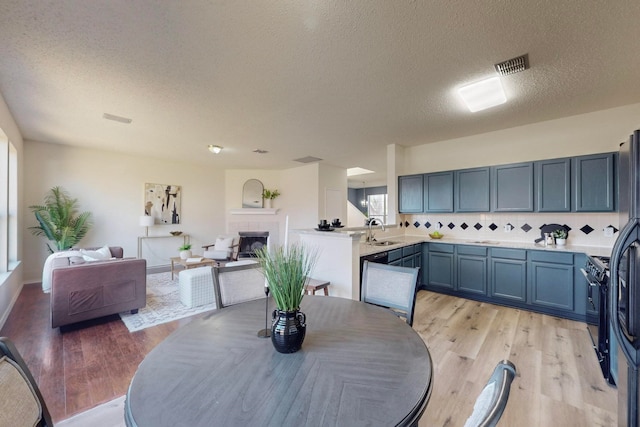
104,253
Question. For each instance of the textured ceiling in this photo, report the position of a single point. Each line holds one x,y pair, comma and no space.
338,80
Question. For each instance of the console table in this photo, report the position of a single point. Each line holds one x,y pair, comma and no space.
359,365
185,240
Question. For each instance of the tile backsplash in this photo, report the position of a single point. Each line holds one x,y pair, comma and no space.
584,228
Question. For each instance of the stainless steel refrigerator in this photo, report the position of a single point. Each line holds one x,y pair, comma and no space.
624,290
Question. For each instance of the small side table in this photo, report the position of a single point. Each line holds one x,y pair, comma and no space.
315,285
183,262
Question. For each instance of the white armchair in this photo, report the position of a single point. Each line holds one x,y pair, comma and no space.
224,249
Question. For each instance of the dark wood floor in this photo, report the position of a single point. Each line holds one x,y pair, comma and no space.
84,366
558,381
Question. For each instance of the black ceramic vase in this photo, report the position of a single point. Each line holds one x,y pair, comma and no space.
288,330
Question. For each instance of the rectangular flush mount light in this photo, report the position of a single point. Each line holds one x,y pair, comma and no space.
483,94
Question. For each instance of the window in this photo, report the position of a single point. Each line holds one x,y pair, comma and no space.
8,204
378,206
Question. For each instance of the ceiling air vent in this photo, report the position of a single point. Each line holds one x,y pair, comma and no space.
513,65
308,159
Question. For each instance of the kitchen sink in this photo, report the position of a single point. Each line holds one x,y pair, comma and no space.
485,242
385,243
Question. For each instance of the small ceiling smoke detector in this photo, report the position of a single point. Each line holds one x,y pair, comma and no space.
259,151
215,149
116,118
308,159
513,65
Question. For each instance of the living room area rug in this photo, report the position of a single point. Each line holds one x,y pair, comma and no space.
163,304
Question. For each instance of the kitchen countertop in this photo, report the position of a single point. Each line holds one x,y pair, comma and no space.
367,249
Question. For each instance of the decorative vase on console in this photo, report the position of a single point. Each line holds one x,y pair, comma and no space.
287,272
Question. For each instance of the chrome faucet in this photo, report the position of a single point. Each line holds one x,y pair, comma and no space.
370,236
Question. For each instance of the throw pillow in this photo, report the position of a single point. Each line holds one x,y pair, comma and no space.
223,244
101,254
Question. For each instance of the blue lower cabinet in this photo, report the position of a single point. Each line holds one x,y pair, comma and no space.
472,274
472,269
552,280
509,274
440,269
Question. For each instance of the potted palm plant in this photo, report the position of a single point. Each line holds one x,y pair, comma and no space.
59,220
287,273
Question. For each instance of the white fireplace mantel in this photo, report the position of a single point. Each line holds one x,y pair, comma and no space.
254,211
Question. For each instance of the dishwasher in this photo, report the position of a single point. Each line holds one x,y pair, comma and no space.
380,258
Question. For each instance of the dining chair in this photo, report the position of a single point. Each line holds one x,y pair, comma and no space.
492,401
21,403
390,286
238,282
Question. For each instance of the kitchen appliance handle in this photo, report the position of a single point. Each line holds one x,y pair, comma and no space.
590,282
625,240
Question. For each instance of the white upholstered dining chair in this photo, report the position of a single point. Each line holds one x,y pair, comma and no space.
238,282
390,286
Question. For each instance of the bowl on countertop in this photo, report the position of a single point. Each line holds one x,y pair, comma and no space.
436,236
175,233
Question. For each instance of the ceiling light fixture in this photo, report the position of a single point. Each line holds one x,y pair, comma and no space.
357,171
215,149
483,94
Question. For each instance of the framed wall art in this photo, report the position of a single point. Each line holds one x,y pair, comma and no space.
162,202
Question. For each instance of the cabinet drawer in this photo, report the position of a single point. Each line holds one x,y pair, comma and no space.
552,257
520,254
472,250
441,247
408,250
395,254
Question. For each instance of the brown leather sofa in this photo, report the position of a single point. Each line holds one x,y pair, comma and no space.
88,290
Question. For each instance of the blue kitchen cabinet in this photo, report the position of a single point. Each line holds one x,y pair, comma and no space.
471,269
512,187
440,266
410,193
551,280
553,185
509,274
438,192
594,183
472,190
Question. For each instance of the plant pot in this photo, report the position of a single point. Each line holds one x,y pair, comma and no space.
268,203
185,254
561,242
288,330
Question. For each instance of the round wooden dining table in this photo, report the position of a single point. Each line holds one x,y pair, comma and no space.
359,365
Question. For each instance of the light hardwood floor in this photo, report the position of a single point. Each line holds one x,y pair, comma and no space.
558,383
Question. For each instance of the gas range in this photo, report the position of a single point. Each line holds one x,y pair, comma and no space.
598,268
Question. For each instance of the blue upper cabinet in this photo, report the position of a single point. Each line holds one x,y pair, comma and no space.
438,192
553,185
513,187
594,182
472,190
410,193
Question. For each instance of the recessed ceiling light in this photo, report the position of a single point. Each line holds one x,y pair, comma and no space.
215,149
357,171
483,94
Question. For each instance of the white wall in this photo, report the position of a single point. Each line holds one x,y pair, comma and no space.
11,282
598,132
332,191
111,186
